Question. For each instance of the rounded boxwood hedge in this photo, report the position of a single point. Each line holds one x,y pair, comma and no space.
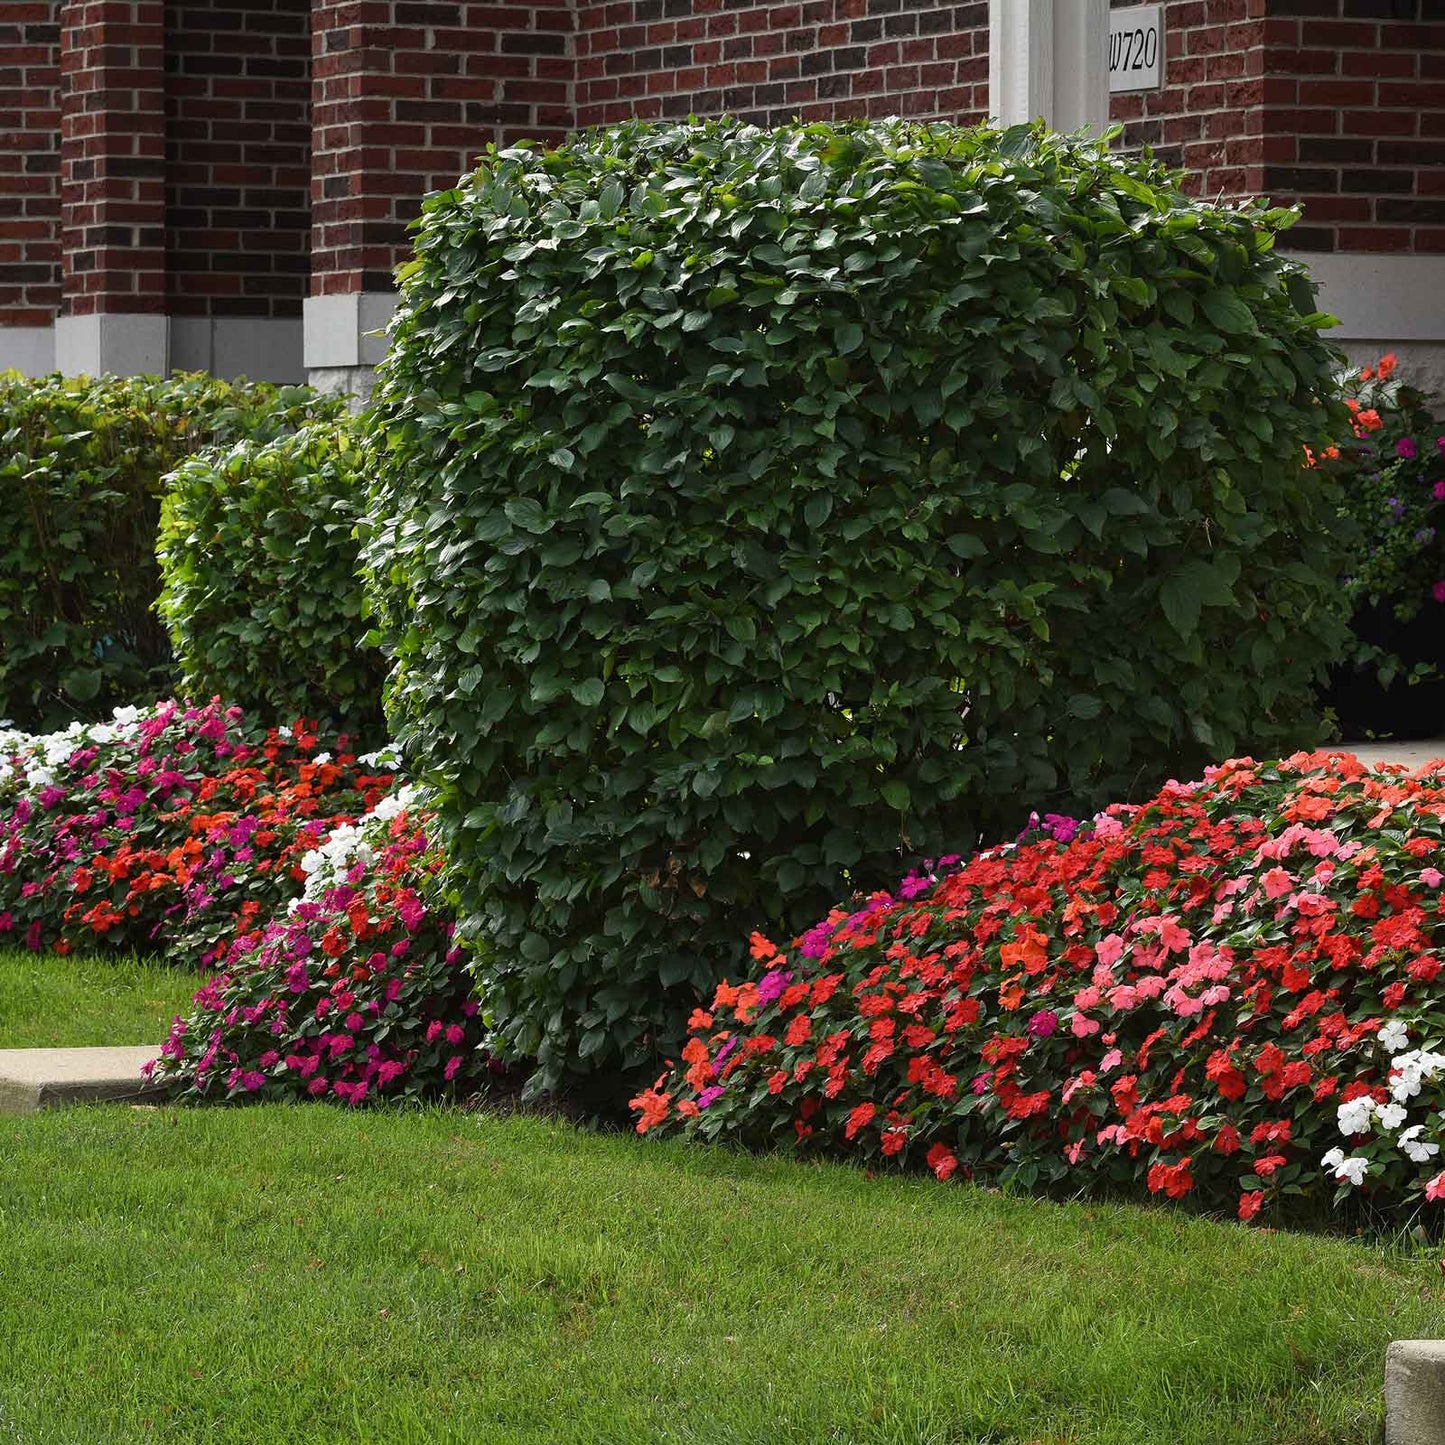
261,594
757,511
82,462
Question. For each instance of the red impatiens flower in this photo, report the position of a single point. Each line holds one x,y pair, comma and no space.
942,1160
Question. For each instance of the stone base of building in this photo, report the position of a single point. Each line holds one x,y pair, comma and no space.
357,381
122,344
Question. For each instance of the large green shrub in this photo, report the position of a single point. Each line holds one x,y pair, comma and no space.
261,593
81,462
758,511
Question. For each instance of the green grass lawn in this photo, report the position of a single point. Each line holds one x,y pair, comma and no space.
273,1274
276,1274
49,1002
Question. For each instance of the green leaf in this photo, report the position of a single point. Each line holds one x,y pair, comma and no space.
1180,601
896,794
817,509
1227,311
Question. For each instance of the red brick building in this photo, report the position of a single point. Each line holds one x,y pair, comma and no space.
226,184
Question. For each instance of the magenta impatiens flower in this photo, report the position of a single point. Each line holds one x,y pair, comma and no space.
1438,591
360,976
1407,449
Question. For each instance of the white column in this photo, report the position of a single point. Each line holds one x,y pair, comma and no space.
1049,59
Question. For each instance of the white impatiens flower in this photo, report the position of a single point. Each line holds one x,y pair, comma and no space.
388,757
321,758
1418,1149
1393,1036
1390,1115
1354,1116
349,843
1410,1070
1352,1169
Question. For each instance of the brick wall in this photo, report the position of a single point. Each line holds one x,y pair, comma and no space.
112,156
1336,104
238,157
29,163
817,59
1207,116
405,94
1354,122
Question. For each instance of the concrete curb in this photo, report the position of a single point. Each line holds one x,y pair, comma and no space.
1415,1392
1412,755
33,1079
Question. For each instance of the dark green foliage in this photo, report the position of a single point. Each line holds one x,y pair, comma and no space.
81,462
759,511
261,593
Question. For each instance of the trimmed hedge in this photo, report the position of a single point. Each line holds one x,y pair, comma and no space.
261,593
81,463
757,511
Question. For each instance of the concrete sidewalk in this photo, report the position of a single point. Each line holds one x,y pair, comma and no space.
1412,755
33,1079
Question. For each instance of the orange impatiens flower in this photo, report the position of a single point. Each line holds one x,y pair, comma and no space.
1386,365
651,1106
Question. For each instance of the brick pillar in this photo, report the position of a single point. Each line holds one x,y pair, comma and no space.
29,184
113,204
404,95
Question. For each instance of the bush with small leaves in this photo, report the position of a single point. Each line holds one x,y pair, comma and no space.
757,511
261,593
81,466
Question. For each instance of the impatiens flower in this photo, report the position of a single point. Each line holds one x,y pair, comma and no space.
1250,1204
1435,1189
1042,1024
1391,1116
893,1141
1354,1117
772,984
1351,1170
942,1160
1407,449
1438,591
1419,1150
1394,1037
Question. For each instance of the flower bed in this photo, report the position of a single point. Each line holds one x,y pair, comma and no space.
1393,468
1227,994
355,992
175,828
